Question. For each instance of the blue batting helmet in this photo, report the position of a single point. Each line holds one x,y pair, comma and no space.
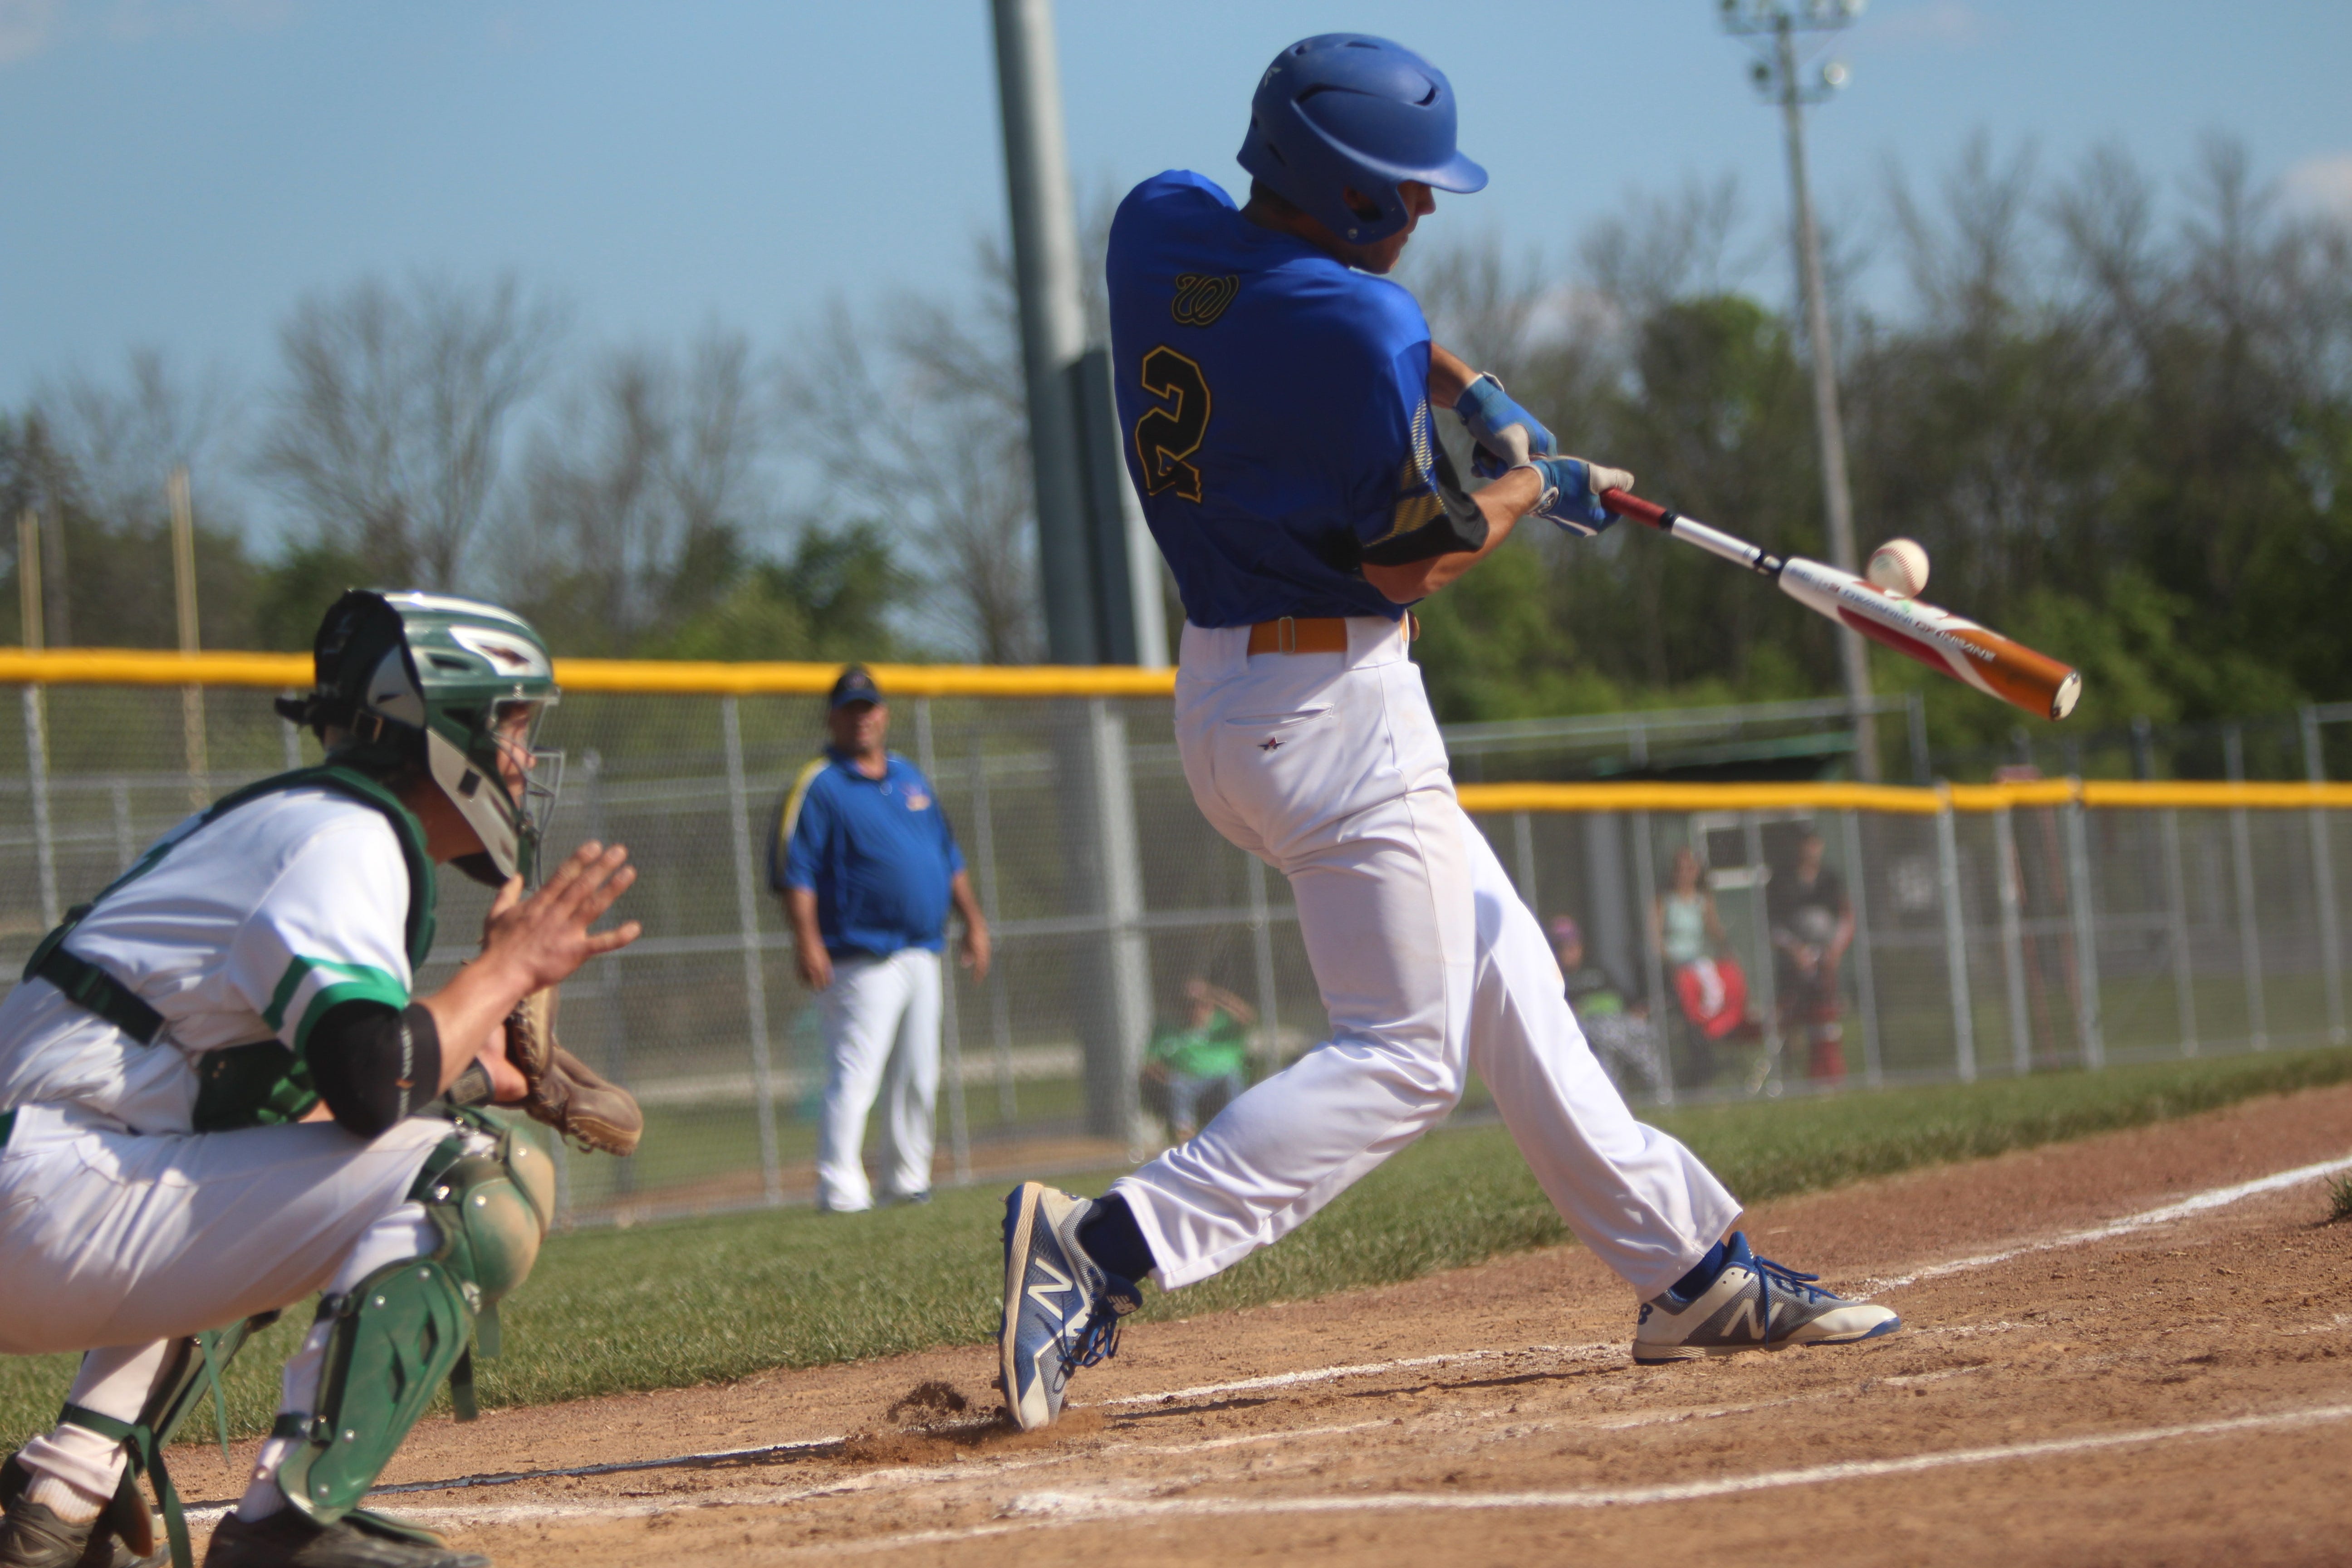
1343,111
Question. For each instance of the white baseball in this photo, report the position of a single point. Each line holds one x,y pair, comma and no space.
1899,567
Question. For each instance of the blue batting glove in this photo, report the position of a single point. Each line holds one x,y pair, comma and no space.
1508,435
1571,495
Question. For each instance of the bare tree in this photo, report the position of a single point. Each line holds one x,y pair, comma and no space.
2105,218
35,475
918,414
647,473
1973,269
725,428
918,417
388,429
92,458
1495,308
1671,246
124,437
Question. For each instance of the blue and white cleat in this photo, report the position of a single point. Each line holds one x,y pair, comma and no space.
1061,1309
1754,1304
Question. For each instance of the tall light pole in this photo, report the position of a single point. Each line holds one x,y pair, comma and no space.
1086,561
1098,570
1053,317
1771,29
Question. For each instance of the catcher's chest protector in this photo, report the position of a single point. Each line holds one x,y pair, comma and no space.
263,1083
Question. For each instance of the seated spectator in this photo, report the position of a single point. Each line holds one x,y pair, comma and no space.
1619,1031
1687,932
1592,991
1201,1062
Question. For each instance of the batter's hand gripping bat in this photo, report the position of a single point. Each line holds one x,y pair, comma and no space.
1937,638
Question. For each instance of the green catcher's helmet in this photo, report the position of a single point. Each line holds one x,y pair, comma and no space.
454,685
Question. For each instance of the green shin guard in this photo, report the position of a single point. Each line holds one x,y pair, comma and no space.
391,1342
410,1324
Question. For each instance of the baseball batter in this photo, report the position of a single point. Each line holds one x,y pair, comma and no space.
1277,398
219,1093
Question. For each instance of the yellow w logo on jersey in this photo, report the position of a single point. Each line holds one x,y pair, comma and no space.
1202,298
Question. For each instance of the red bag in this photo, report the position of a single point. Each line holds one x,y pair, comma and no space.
1713,994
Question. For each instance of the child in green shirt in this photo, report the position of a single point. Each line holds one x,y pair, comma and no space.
1207,1053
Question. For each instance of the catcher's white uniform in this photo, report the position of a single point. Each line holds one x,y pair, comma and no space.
1328,766
122,1226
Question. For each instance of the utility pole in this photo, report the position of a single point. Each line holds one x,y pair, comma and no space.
1098,570
37,712
1053,314
1086,564
28,579
1772,26
183,594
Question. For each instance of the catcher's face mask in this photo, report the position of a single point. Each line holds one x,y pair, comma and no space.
501,780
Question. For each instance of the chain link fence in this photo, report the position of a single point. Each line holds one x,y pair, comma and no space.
1994,932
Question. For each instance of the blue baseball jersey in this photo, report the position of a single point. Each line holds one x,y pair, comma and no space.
878,853
1273,404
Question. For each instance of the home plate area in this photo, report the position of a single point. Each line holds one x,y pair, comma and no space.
2137,1347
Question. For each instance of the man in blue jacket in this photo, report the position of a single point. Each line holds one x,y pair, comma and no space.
868,867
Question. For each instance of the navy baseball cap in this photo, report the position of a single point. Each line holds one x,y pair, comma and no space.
855,686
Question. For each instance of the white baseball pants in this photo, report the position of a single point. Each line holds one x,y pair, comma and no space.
881,1036
1329,768
115,1242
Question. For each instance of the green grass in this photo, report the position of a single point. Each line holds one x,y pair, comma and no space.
688,1145
703,1300
2339,1200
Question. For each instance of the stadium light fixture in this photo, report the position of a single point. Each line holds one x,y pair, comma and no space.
1771,29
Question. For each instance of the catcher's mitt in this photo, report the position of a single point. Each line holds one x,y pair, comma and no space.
566,1092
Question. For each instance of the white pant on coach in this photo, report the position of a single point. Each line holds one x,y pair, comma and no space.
879,1013
1329,768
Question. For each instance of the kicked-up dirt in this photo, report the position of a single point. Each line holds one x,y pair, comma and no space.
2123,1350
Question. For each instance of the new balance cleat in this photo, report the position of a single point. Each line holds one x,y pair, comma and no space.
1754,1304
1061,1309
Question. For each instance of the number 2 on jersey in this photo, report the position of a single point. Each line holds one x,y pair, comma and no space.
1165,436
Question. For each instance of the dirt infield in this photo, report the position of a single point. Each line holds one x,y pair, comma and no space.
2116,1350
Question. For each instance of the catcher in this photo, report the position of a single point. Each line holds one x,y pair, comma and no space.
219,1093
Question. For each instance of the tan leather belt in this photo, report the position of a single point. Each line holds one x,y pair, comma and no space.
1309,634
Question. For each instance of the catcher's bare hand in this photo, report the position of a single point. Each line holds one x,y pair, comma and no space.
540,940
507,1084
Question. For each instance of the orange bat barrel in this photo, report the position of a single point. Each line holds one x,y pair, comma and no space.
1937,638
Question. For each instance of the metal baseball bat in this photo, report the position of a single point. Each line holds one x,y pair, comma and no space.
1948,644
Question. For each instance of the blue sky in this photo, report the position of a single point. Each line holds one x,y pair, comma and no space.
181,170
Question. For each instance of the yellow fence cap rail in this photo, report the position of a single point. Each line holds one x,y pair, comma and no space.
2106,795
1696,797
2210,795
147,667
683,678
680,678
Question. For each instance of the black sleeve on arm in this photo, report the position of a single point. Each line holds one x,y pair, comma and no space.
374,1066
1443,520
